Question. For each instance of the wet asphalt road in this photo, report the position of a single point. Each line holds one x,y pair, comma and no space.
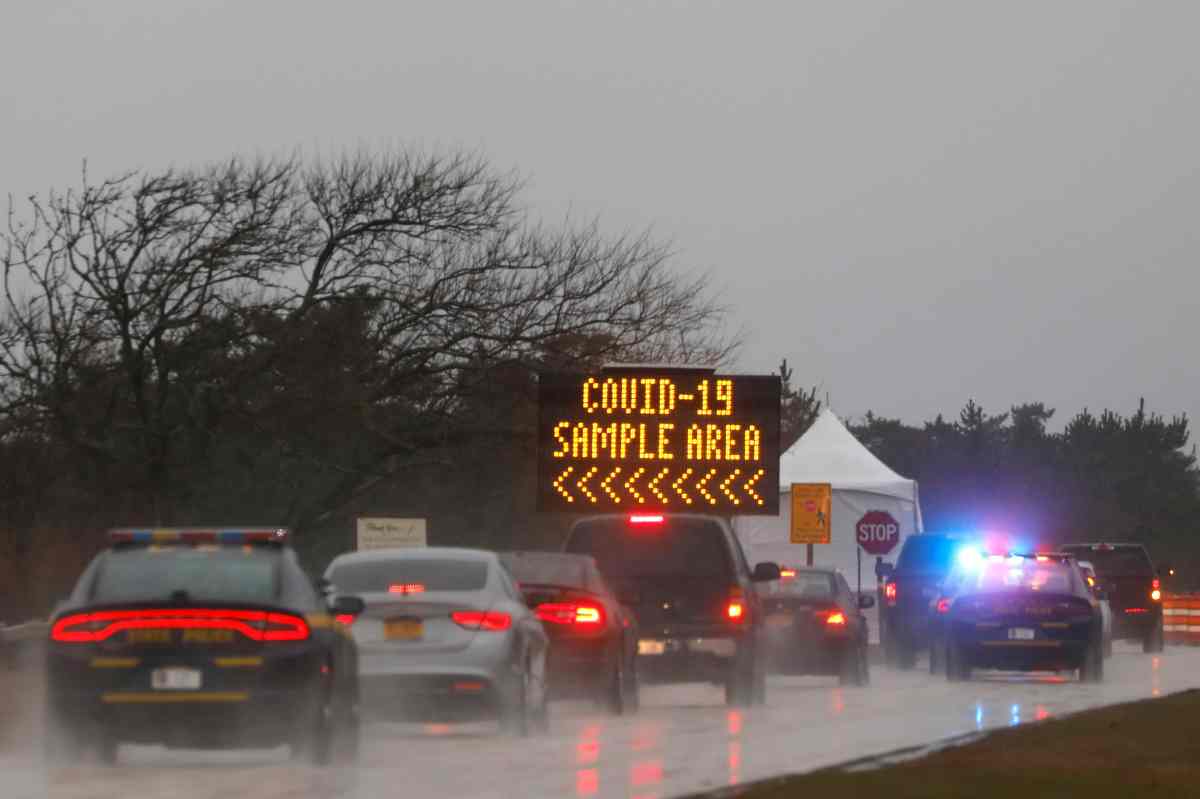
683,740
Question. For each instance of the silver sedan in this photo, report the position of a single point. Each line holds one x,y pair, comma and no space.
445,636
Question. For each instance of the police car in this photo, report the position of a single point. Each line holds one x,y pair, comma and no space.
200,639
1019,612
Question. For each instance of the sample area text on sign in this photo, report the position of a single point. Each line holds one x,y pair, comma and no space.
667,439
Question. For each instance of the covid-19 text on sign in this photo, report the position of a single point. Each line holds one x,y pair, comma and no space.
670,439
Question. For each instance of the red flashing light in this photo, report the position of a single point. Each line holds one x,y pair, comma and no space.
836,619
889,593
943,605
492,621
571,613
1155,584
406,588
646,518
256,625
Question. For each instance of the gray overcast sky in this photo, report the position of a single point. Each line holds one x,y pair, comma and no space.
914,202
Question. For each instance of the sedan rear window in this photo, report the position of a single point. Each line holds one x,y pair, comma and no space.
1024,575
409,575
924,552
674,548
808,585
549,568
158,574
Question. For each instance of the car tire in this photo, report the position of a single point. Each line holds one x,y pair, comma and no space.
957,668
1152,644
1108,647
615,692
739,684
62,745
515,716
633,700
1092,669
108,750
864,662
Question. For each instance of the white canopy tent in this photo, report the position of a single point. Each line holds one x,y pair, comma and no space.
829,453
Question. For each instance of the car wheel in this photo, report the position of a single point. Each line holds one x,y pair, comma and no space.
517,718
633,698
1092,669
62,745
1108,647
957,668
616,693
849,669
739,685
1153,642
865,666
317,744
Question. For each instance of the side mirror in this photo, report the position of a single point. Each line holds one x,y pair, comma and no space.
865,601
766,572
348,606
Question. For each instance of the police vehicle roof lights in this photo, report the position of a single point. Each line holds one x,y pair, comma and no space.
191,536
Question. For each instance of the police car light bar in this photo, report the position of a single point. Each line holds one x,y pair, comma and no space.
187,535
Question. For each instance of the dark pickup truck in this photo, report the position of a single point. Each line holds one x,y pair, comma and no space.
1129,580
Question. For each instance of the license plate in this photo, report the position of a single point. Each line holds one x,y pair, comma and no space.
779,619
647,646
176,679
1020,634
403,629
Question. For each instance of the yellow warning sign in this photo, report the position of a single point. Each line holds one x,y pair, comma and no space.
810,512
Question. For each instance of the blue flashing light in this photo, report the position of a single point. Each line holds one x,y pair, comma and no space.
969,558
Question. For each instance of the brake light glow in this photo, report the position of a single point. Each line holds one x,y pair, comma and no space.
345,618
889,593
572,613
787,574
836,619
256,625
735,610
406,588
646,518
492,620
1156,595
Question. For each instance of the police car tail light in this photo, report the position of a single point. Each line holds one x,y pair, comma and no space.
890,593
492,621
575,614
943,605
256,625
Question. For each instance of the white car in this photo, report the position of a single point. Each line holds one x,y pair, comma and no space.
1089,574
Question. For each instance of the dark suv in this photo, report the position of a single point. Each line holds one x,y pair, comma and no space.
1129,581
687,581
909,588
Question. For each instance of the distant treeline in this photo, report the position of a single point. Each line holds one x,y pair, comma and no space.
1105,476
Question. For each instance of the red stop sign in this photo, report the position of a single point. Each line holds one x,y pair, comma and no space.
878,533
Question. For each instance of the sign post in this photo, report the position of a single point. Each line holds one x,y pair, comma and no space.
658,438
811,510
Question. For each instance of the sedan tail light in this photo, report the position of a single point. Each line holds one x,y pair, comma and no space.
578,614
256,625
835,619
491,620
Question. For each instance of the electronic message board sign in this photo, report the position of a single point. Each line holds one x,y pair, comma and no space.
670,439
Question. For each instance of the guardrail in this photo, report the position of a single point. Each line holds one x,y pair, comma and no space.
1181,619
19,641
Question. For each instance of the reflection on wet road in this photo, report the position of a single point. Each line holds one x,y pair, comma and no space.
683,740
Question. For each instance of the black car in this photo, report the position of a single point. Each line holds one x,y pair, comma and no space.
593,639
1129,581
685,576
200,639
1019,612
924,562
815,625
